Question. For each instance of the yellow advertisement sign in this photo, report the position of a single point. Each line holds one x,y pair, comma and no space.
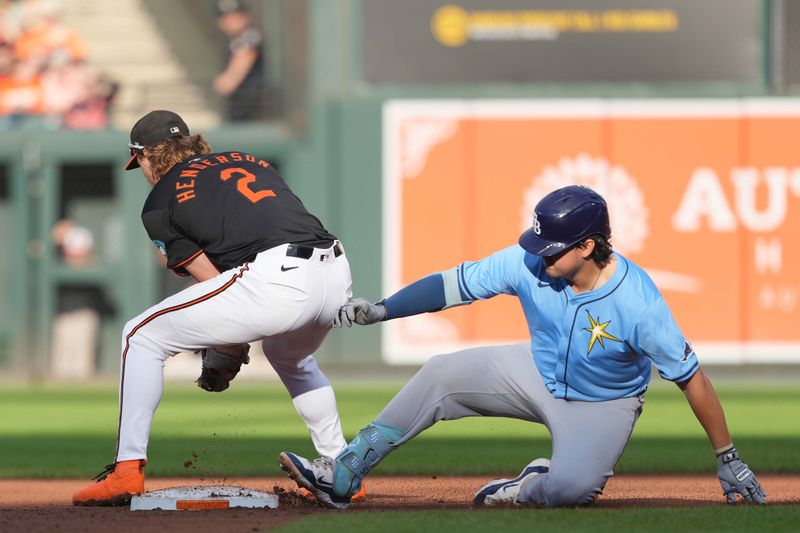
453,26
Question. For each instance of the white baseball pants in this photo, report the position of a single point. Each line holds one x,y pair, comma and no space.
288,302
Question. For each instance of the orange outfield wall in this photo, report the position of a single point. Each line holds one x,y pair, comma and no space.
705,195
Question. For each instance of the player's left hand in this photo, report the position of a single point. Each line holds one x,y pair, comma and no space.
220,366
736,477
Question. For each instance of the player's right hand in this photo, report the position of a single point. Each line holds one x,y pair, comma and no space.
737,478
359,311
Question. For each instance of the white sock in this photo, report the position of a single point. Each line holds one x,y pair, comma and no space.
318,410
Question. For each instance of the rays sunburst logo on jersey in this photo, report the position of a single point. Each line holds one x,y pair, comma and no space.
598,331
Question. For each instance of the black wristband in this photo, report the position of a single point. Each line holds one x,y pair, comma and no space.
382,303
728,456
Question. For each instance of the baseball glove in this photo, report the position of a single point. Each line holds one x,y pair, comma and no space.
220,366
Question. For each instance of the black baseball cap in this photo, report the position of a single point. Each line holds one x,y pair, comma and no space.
230,6
152,128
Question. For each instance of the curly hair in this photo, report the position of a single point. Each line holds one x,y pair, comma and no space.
602,249
165,154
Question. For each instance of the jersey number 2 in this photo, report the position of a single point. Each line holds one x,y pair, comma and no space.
243,184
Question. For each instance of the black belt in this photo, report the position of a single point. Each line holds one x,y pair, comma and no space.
305,252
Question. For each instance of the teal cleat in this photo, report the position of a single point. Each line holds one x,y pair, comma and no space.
367,449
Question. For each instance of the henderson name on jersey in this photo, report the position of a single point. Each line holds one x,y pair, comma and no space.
230,206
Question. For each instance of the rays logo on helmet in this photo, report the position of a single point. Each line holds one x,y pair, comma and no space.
537,226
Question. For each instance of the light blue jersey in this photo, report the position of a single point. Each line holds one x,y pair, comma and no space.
593,346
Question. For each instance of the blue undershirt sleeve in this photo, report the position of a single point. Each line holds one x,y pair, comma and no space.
422,296
470,281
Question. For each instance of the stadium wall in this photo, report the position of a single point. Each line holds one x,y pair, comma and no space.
330,149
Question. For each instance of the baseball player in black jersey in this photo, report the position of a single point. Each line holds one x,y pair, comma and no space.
266,268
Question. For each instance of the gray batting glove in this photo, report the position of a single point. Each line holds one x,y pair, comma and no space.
736,477
359,311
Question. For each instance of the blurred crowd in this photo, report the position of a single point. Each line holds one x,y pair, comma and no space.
44,73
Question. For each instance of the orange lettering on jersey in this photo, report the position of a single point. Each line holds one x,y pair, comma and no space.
250,158
197,166
185,195
188,173
187,185
209,163
222,159
243,186
236,156
262,163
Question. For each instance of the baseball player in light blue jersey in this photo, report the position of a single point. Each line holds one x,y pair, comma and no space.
597,323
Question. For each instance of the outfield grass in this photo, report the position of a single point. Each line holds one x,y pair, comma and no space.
70,431
667,520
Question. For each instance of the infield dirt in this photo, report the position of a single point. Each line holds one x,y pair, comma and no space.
44,505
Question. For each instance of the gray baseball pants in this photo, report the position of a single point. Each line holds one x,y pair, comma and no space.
588,437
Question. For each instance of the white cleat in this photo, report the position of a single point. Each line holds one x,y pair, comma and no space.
315,476
505,491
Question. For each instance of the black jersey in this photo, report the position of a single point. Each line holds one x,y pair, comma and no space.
228,205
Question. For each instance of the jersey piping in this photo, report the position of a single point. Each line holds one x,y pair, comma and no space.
188,260
464,283
152,317
575,318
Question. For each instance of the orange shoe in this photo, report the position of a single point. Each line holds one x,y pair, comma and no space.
115,486
359,496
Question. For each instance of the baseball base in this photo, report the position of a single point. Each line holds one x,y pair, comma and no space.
203,498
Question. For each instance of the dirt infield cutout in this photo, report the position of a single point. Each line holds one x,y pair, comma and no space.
44,505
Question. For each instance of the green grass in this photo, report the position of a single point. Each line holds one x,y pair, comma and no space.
70,431
592,520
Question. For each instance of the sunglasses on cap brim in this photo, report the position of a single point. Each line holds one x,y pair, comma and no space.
135,148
